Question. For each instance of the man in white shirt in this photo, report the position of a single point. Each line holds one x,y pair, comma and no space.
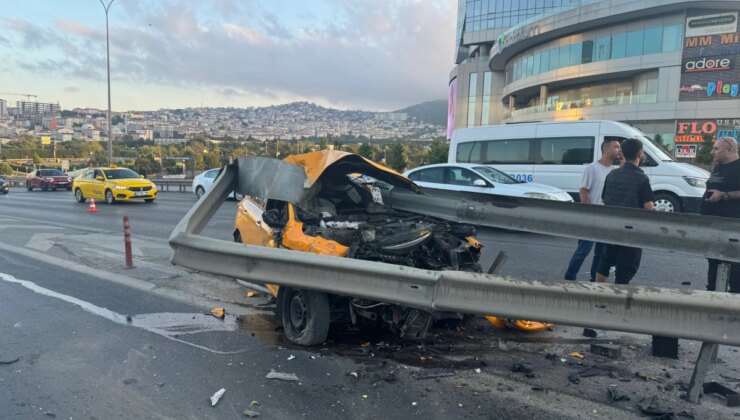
592,184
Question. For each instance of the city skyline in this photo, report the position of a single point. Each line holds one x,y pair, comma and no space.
224,53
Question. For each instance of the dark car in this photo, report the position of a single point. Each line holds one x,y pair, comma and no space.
48,179
4,186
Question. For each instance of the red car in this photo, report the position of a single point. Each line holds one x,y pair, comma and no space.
48,179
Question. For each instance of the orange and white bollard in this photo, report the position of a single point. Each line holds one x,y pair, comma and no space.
127,243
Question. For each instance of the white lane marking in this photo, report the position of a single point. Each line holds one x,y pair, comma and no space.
72,266
27,227
160,324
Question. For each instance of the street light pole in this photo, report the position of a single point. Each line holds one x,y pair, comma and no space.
107,52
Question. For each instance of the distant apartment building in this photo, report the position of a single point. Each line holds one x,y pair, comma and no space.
671,69
3,107
34,112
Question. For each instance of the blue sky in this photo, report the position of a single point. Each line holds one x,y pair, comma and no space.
350,54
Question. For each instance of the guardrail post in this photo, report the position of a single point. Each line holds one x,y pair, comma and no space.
708,351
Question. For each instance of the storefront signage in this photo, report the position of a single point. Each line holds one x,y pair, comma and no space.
711,51
693,131
715,24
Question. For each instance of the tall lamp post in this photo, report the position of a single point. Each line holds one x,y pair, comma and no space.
107,52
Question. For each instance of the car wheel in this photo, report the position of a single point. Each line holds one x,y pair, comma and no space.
238,197
43,187
305,315
109,197
667,203
29,187
199,191
78,196
149,200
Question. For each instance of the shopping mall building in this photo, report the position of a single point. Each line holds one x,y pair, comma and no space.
669,68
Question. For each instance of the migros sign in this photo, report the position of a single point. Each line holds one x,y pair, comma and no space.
707,64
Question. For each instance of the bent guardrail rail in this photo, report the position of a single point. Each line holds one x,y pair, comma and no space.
706,316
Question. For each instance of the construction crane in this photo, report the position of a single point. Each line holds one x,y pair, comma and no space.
27,95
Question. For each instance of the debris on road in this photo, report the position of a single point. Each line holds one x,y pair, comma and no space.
353,374
607,350
518,367
282,376
653,407
577,355
217,396
433,373
218,313
251,413
9,362
129,381
615,395
732,398
291,357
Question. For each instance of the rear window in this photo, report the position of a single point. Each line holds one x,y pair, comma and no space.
433,175
51,172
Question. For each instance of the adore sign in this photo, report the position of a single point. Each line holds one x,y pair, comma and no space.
707,64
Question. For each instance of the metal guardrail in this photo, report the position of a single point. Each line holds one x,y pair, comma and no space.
178,185
699,315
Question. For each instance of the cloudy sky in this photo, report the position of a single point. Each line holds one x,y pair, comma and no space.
349,54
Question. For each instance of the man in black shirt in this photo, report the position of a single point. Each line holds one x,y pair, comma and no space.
722,198
627,186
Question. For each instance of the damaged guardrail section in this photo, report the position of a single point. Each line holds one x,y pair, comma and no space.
706,316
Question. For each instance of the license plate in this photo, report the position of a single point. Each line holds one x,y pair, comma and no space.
140,193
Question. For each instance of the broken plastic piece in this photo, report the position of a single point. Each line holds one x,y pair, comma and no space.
251,294
291,357
353,374
732,397
217,396
251,413
282,376
218,313
577,355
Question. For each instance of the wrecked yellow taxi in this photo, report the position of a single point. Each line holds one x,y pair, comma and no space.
341,213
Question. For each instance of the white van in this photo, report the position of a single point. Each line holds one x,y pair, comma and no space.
556,153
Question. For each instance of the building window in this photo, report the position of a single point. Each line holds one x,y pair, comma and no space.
484,120
619,45
672,38
634,42
602,48
653,40
472,88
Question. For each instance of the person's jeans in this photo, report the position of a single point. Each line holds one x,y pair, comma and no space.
579,256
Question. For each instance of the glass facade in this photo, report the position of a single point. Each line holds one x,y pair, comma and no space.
486,107
491,14
472,87
649,40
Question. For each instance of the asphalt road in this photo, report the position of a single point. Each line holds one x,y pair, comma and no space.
84,337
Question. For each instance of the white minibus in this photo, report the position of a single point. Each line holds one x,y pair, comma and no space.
556,153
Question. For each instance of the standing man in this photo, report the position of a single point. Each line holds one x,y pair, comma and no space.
722,198
592,184
627,186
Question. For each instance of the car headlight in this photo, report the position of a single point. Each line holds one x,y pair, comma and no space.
121,187
541,196
696,182
69,179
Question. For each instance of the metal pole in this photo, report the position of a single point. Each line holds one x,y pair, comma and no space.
107,52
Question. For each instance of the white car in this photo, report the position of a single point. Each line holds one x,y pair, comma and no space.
481,179
202,183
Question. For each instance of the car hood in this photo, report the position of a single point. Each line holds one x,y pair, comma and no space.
132,182
293,178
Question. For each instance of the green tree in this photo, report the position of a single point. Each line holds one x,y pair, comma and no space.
116,119
324,144
365,151
704,154
5,169
36,159
338,146
439,151
397,157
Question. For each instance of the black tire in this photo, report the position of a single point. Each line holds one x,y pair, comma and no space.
667,203
149,200
109,199
305,315
79,197
43,187
199,191
29,187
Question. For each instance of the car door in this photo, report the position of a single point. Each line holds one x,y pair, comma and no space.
561,160
95,186
36,179
208,179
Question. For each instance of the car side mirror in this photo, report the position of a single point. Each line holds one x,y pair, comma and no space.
479,183
99,178
273,219
142,176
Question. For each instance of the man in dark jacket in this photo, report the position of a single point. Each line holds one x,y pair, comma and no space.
722,198
627,186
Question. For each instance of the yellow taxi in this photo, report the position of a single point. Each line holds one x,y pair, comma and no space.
113,184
